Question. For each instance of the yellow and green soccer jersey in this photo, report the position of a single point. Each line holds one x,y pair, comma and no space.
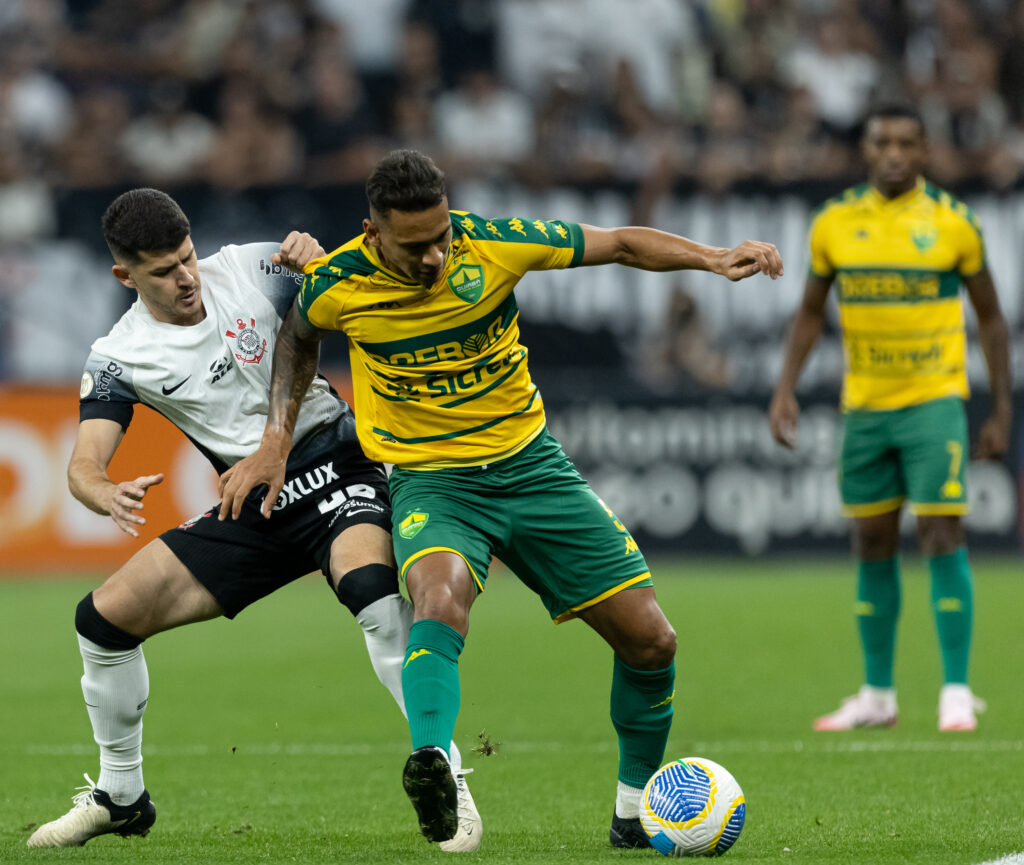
438,374
897,266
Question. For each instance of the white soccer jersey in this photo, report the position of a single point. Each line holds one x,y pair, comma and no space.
212,379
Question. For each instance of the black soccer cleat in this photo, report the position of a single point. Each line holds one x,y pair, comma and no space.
94,813
428,782
628,833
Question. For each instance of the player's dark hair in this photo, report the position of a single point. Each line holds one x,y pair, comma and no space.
143,220
895,111
405,180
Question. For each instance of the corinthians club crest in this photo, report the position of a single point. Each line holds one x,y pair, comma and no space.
249,345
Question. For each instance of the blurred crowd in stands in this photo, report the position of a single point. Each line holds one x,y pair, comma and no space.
650,95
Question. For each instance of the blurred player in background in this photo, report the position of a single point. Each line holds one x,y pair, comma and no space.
197,347
426,299
898,249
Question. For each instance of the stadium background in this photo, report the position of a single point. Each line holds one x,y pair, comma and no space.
720,119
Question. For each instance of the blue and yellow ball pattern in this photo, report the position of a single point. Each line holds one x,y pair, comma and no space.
692,807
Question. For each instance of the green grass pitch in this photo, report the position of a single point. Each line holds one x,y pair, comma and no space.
268,739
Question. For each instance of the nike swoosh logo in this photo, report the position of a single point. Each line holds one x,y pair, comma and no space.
169,390
130,820
362,511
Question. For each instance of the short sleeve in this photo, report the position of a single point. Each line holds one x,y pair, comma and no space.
817,239
106,391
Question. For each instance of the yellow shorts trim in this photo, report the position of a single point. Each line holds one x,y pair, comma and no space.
939,510
873,509
409,562
572,611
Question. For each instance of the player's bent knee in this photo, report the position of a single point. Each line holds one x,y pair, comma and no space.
360,587
93,626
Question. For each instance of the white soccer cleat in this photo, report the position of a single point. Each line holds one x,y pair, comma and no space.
869,707
94,813
471,827
959,708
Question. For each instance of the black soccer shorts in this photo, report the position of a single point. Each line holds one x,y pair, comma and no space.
240,561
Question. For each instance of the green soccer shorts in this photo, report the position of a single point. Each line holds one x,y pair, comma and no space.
918,453
534,512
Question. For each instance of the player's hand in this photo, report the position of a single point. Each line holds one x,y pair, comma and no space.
261,467
297,250
126,502
784,418
750,257
994,437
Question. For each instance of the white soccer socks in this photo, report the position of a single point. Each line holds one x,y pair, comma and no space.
115,685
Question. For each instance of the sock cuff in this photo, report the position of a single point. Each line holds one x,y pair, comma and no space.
360,587
91,625
878,568
648,680
950,562
436,636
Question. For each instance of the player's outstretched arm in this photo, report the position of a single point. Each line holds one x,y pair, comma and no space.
650,249
296,355
993,334
784,411
97,440
297,250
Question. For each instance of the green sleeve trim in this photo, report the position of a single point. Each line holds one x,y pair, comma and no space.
578,245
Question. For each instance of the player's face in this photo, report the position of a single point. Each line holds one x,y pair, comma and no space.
168,283
895,151
412,244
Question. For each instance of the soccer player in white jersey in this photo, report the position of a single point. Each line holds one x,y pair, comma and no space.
197,347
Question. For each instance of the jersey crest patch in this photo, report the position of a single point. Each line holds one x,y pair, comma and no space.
467,282
249,345
411,525
924,235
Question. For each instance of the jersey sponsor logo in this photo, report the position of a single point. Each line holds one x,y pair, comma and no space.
412,525
221,368
471,346
467,282
880,284
355,499
167,391
271,269
307,484
249,345
88,382
103,379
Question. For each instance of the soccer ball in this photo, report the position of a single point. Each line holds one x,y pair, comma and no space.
692,807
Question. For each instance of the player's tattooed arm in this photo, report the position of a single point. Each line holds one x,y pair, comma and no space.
95,444
296,356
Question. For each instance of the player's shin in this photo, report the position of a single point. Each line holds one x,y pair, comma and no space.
115,684
641,711
878,610
430,681
371,594
953,605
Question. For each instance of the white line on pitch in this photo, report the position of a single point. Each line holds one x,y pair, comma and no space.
1012,859
824,745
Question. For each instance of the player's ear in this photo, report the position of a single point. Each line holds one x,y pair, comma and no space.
124,276
372,233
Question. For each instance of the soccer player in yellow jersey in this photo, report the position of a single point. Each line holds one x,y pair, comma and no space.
442,391
897,249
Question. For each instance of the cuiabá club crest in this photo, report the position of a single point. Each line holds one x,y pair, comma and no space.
249,345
